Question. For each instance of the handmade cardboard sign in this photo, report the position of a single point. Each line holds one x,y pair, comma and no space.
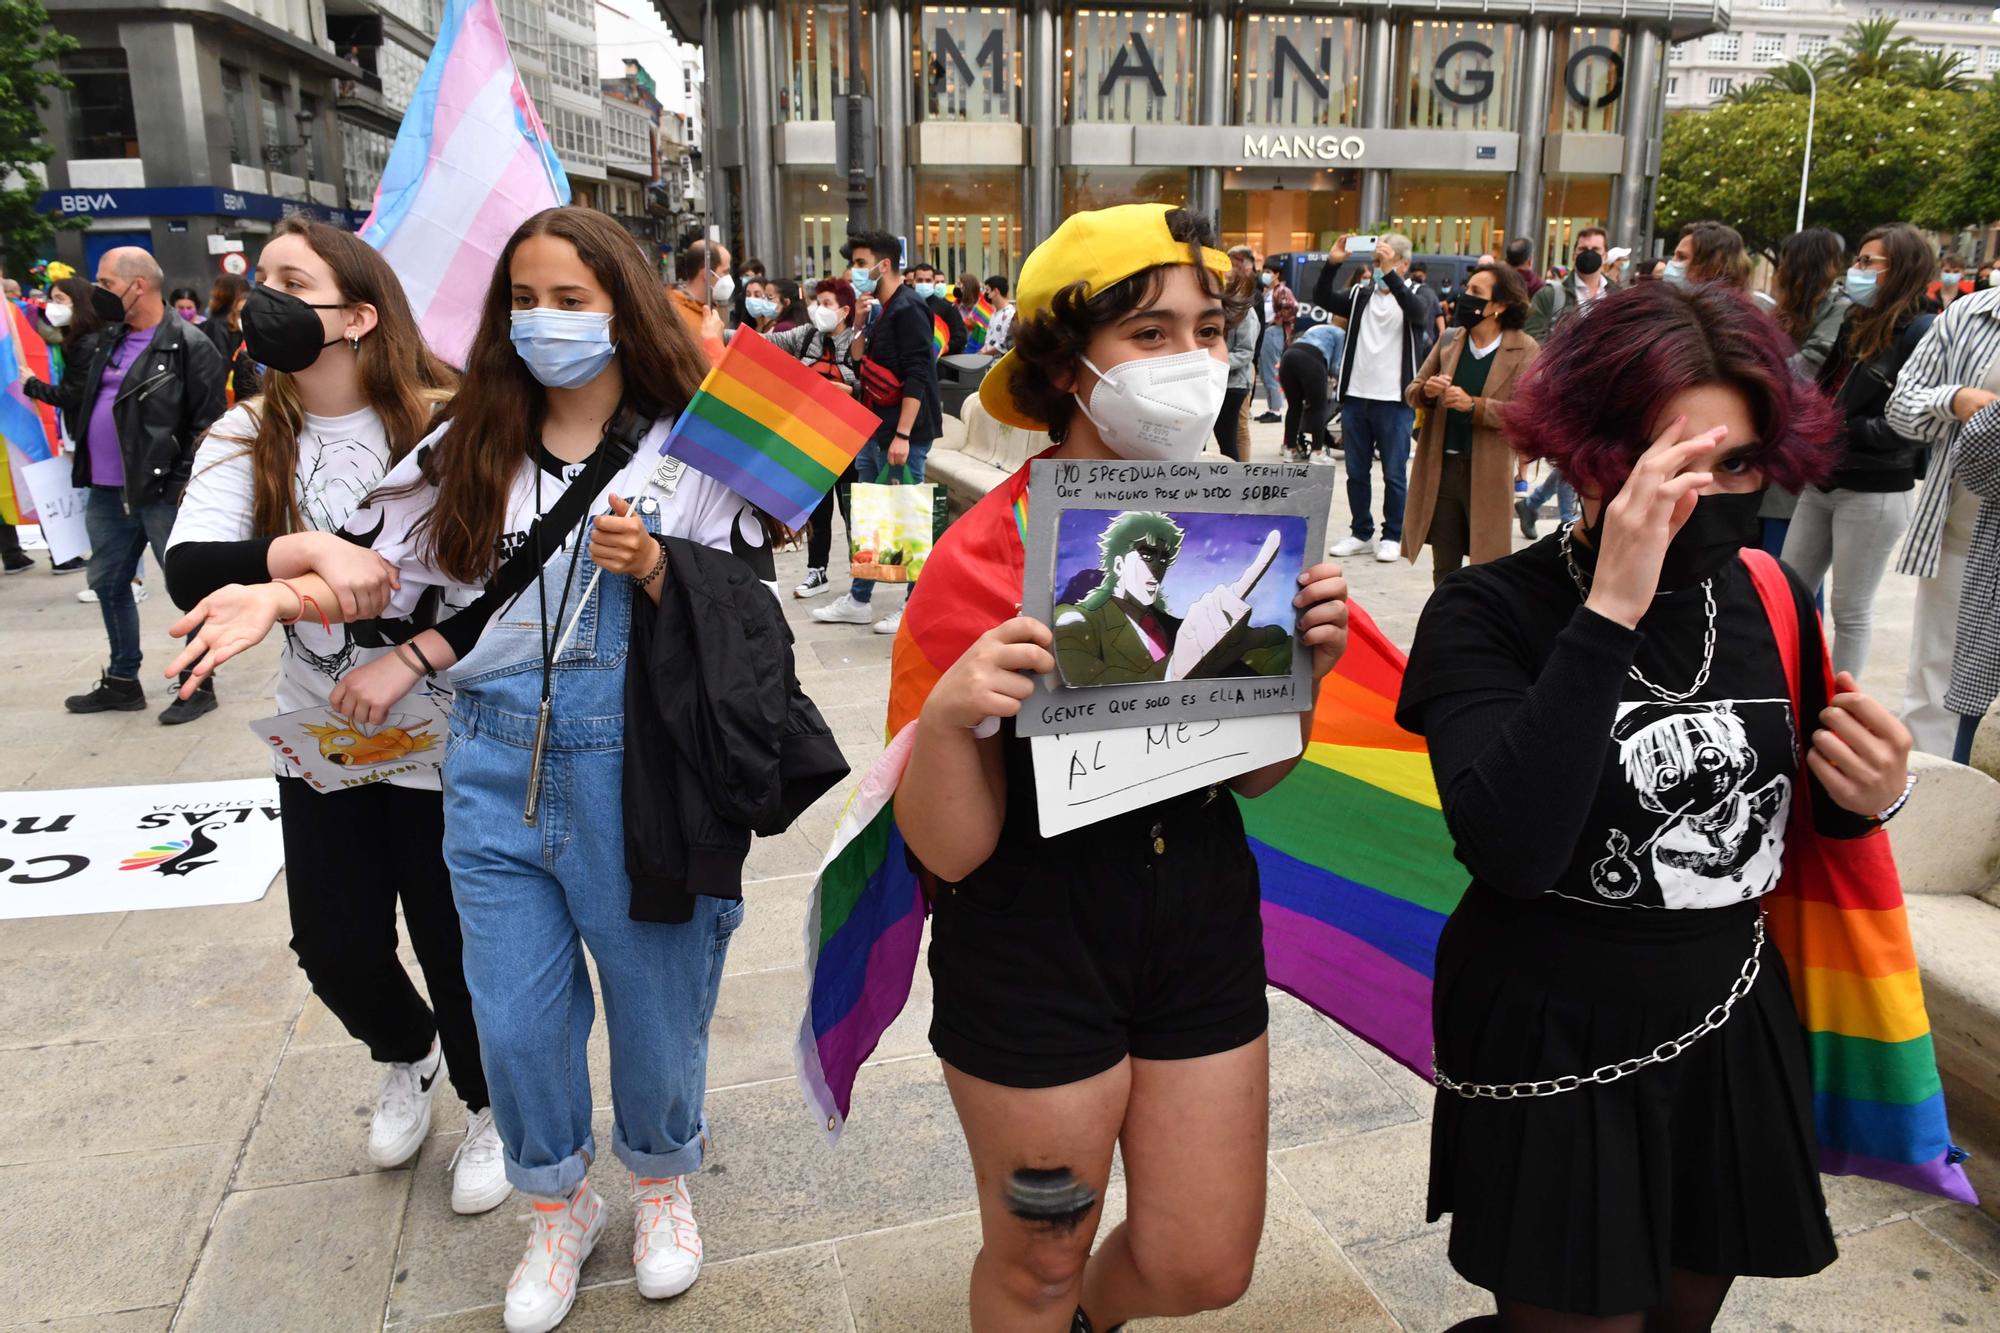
59,507
1085,776
1169,587
335,754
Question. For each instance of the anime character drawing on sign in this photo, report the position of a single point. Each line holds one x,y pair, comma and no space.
350,747
1720,838
1121,632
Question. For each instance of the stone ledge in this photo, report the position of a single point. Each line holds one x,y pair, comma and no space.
1947,840
1958,943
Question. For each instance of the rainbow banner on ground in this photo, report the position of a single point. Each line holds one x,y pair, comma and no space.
1358,876
770,430
28,427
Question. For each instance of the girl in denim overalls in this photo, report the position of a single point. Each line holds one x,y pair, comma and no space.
576,333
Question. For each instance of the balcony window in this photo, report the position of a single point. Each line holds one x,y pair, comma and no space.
101,120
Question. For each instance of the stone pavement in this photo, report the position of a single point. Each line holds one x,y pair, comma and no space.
181,1140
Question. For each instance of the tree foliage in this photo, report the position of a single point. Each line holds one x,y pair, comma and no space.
29,46
1877,149
1872,50
1967,193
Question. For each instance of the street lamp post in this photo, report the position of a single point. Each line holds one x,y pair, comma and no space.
1812,109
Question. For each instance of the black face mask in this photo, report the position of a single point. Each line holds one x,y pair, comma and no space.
1467,310
107,306
1588,262
282,331
1718,529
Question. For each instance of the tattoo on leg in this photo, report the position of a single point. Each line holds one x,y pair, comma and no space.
1049,1196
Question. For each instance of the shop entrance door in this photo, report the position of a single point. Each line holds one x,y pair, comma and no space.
1309,212
966,244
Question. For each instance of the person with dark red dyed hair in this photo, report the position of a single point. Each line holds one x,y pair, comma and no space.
1620,687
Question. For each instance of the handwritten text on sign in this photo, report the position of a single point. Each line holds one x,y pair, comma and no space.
59,507
1087,776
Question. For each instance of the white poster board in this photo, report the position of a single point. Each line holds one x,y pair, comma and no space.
123,849
334,754
59,507
1082,777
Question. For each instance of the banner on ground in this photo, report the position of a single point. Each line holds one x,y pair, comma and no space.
124,849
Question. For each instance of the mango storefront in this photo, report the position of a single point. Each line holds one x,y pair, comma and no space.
1289,124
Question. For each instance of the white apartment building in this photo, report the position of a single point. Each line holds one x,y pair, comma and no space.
1766,33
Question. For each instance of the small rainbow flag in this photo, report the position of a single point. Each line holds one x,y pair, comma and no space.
770,430
940,335
27,427
1353,906
977,324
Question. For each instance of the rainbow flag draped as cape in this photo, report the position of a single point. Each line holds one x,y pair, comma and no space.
770,430
1352,905
28,427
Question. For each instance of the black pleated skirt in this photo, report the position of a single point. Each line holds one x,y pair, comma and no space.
1584,1201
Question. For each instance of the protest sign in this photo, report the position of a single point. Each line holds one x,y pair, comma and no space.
59,507
122,849
1086,776
333,753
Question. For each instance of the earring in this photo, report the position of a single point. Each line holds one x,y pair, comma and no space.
354,344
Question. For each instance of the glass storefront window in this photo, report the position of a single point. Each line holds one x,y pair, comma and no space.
1459,74
815,219
1570,203
968,63
968,221
1297,69
1130,66
1085,188
1302,217
812,57
1589,75
1448,215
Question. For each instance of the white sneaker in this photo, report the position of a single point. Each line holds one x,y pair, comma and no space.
816,583
544,1286
1349,546
846,611
479,1181
139,590
666,1247
403,1111
891,623
1388,553
89,595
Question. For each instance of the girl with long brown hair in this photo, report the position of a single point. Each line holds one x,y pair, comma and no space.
1850,524
572,385
351,390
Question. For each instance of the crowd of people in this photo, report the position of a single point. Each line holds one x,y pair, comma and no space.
508,538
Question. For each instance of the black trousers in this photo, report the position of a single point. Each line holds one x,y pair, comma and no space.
1225,421
1305,382
819,541
1451,520
349,857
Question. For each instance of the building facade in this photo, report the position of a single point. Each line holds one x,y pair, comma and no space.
645,64
1769,33
1461,124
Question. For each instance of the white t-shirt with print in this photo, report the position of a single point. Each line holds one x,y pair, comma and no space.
341,460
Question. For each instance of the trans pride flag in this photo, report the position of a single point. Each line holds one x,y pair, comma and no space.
471,163
1358,877
28,427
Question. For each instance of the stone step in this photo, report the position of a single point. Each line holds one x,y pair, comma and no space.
1958,945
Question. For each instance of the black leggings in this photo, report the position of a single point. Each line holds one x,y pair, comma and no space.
1304,380
349,856
1225,421
819,541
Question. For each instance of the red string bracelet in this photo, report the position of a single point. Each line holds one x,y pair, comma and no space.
296,593
325,624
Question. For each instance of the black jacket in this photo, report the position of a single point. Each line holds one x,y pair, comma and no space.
720,741
1873,457
1352,304
900,339
171,394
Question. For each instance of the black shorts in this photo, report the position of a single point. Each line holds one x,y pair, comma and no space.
1139,936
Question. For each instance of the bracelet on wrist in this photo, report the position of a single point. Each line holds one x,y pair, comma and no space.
430,672
301,600
659,565
408,662
1909,786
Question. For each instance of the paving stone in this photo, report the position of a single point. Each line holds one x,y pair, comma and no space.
86,996
1855,1203
53,936
773,929
858,647
266,921
1415,1279
85,1098
314,1124
1416,1092
155,1320
302,1258
1967,1230
1898,1276
757,1020
1320,1088
110,1233
915,1279
798,1291
790,853
1365,1189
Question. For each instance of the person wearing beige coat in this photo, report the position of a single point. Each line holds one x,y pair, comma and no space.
1462,478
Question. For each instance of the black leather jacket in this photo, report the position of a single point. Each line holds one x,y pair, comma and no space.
720,741
172,394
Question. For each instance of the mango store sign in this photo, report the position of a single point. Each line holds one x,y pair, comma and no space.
1281,147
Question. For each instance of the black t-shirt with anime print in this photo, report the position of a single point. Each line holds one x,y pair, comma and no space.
1562,771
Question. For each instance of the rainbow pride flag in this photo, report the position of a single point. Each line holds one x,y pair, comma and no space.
1358,876
977,324
770,430
940,335
28,427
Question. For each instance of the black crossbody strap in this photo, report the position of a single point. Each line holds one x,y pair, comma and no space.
552,529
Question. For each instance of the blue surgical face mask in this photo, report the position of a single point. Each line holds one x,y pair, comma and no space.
1381,283
863,280
925,289
758,307
1861,285
563,348
1677,273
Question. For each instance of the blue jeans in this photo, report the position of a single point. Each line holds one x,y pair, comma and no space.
869,465
1269,352
1553,484
118,541
1371,427
532,897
